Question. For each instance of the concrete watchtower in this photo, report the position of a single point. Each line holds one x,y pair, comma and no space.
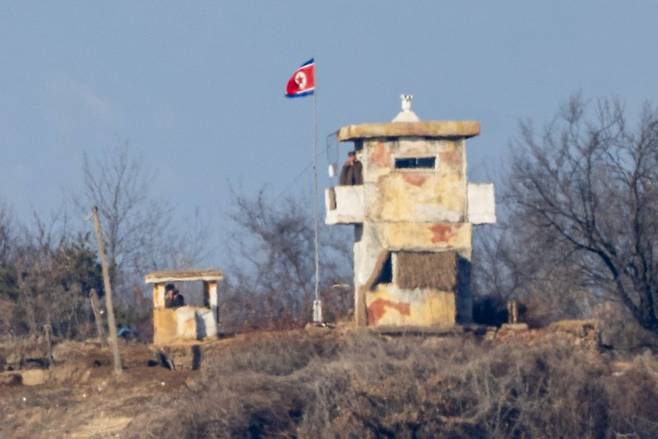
413,218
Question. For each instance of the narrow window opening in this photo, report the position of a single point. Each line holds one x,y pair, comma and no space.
386,275
415,163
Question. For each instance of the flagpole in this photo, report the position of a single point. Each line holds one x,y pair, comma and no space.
317,303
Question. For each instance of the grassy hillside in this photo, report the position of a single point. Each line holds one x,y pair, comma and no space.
332,383
365,385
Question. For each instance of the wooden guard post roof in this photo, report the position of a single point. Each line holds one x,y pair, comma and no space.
190,275
431,129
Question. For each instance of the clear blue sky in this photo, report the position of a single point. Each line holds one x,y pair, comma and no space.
197,87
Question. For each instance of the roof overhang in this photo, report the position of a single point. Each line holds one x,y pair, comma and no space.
428,129
183,276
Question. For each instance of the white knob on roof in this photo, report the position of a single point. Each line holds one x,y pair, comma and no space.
406,115
406,102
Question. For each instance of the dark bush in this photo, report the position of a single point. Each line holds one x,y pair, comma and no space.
489,310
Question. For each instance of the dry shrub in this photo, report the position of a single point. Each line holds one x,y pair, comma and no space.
364,385
620,332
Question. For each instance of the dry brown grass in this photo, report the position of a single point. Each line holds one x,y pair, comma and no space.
362,385
427,270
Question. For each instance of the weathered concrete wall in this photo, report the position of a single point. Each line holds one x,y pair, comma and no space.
184,323
164,325
424,236
412,213
388,305
414,195
421,210
439,311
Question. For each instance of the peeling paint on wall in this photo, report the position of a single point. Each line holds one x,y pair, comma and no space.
416,178
381,155
389,305
378,308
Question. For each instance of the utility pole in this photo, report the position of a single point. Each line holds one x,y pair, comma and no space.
111,322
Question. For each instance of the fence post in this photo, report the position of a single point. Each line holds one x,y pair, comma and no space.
47,329
98,317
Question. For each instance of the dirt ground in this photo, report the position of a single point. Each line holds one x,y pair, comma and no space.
82,398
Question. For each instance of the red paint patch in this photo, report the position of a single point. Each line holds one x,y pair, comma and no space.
442,232
415,179
380,156
452,158
378,308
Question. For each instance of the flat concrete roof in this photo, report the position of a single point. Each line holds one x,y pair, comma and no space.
436,128
190,275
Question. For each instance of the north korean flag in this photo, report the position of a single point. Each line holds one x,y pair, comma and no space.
302,81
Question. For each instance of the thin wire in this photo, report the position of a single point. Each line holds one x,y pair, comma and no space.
308,166
293,181
329,145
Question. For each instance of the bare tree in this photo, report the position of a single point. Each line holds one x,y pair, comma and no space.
586,191
272,264
189,242
118,184
142,232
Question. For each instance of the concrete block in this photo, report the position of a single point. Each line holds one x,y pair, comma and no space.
481,203
186,322
350,206
206,324
34,377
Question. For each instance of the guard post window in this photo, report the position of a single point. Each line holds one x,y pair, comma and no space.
415,163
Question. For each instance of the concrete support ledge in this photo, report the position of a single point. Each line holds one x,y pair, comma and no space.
437,331
419,330
345,205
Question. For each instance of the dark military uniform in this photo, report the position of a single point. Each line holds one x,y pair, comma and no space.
352,174
176,302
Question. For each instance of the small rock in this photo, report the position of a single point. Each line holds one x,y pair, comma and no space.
34,377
